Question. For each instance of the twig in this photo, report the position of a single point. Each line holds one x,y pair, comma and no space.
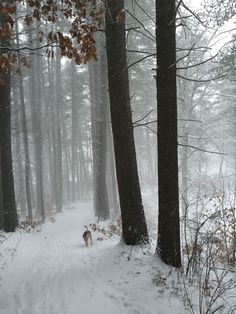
14,250
145,12
136,19
52,44
196,64
91,294
146,115
203,150
130,253
140,60
200,81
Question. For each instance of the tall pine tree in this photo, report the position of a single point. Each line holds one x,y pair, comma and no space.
168,245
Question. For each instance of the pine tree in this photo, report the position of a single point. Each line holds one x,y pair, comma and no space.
133,218
168,246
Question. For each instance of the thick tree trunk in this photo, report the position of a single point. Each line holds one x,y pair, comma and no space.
168,246
133,218
7,180
1,197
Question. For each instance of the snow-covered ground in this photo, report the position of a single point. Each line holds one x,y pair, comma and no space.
50,271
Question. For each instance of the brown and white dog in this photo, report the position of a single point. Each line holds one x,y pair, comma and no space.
87,236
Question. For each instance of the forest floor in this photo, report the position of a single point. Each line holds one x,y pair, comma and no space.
50,271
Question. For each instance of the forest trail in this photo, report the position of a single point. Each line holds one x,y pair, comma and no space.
52,272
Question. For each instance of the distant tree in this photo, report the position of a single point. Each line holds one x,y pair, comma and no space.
27,171
81,34
99,103
6,170
219,11
36,116
168,243
58,153
133,218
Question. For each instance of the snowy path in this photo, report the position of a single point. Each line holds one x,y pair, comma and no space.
52,272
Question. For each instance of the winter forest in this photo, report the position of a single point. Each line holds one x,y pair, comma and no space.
117,156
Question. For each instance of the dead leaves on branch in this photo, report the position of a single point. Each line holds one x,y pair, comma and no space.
120,18
77,42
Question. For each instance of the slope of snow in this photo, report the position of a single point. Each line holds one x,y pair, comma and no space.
50,271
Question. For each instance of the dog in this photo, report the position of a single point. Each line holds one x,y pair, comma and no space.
87,236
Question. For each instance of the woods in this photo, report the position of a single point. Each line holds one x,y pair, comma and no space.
130,105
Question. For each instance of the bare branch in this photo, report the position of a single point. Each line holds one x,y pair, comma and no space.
140,60
203,150
191,120
190,50
136,19
28,48
197,64
145,12
145,35
200,81
139,51
193,13
146,115
145,124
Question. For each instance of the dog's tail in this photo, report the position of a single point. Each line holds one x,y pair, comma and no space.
86,227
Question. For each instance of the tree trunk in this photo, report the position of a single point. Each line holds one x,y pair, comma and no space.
58,172
51,128
7,182
133,218
111,174
74,137
98,91
35,87
103,205
168,245
26,150
1,197
18,153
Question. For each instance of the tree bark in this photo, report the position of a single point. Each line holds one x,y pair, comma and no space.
26,150
1,196
99,104
134,229
18,153
168,245
58,172
35,92
74,136
7,180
